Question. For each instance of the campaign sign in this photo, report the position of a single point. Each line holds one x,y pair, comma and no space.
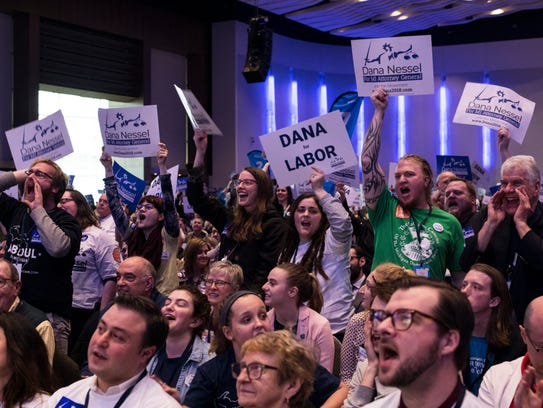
321,141
495,107
47,138
130,132
477,173
400,65
257,159
155,189
130,187
459,165
198,116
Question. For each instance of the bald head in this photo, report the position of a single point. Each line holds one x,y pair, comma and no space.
534,314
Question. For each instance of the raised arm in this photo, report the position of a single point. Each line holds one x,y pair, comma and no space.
374,177
112,193
200,141
504,137
171,218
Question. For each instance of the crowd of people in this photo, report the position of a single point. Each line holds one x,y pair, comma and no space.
427,297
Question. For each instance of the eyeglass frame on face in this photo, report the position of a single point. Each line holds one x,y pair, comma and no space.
147,206
536,348
394,316
65,200
39,174
217,282
4,282
237,368
244,182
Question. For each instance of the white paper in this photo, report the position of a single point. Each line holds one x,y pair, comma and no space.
495,107
321,141
130,132
400,65
156,190
198,116
47,138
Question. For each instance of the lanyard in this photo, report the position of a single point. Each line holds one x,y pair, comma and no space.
418,229
125,394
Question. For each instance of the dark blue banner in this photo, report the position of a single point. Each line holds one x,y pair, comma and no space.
130,187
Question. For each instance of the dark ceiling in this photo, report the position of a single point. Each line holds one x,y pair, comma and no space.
512,26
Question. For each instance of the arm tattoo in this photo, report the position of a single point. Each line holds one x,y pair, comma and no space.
373,175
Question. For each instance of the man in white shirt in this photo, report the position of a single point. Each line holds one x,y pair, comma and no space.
512,381
128,335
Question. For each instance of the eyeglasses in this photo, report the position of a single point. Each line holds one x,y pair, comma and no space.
402,319
147,206
536,348
219,283
65,200
245,182
254,370
39,174
3,282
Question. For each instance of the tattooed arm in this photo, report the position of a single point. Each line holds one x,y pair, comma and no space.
373,175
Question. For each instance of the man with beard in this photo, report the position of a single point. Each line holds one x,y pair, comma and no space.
409,231
424,335
461,201
508,233
42,242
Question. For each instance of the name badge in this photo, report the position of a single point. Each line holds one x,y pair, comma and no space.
422,270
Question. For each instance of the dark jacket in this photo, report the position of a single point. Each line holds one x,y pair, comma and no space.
521,261
258,256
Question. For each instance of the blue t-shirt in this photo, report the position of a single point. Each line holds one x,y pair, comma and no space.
477,358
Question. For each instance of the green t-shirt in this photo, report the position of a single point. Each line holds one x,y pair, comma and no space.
441,237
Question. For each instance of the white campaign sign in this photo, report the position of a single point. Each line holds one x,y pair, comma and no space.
198,116
401,65
156,190
47,137
495,107
321,141
130,132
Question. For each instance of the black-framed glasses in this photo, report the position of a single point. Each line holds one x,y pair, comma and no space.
244,182
536,348
147,206
219,283
254,370
402,319
3,282
38,173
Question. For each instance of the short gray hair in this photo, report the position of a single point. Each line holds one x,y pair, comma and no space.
524,162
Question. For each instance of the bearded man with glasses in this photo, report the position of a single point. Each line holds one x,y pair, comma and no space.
424,334
42,241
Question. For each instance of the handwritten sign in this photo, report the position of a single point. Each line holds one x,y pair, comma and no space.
130,132
321,141
495,107
198,116
401,65
47,137
155,189
130,187
459,165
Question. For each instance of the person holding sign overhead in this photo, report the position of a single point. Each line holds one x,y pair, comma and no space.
156,230
252,230
320,240
409,231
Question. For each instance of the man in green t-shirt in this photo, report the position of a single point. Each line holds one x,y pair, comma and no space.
409,231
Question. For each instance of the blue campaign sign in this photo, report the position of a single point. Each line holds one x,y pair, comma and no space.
129,186
257,158
459,165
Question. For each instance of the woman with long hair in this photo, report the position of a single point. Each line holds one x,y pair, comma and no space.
284,199
319,239
288,289
194,266
25,373
95,268
252,230
155,232
496,337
